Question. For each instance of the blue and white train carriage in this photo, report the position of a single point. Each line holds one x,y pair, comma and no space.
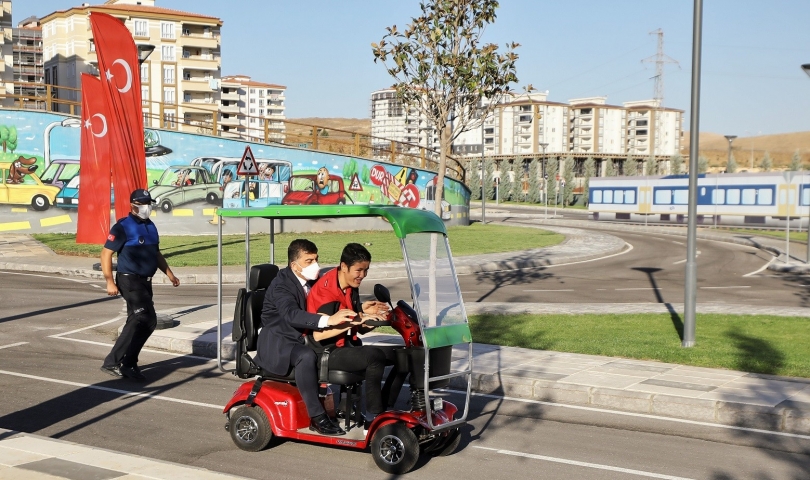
768,198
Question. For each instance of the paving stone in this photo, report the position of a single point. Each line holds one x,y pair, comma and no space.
550,391
70,470
680,385
681,407
608,380
622,399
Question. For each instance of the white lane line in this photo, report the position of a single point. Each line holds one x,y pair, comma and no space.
640,288
734,286
761,269
582,464
59,335
112,390
52,277
13,345
679,243
564,290
684,260
631,414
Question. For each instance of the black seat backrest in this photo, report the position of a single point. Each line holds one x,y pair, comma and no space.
259,279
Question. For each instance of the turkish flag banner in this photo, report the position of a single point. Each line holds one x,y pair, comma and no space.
94,165
120,77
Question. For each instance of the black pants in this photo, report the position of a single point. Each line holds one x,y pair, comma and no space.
141,320
358,359
305,362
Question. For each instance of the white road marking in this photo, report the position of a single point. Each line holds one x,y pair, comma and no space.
684,260
582,464
13,345
734,286
640,288
564,290
52,277
112,390
761,269
631,414
679,243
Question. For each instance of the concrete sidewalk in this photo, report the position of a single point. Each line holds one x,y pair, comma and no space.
32,457
710,395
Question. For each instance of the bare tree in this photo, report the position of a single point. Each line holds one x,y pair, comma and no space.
443,71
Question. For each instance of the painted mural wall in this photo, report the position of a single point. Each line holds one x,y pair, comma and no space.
190,175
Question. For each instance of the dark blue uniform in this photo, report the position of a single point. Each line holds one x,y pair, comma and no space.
136,242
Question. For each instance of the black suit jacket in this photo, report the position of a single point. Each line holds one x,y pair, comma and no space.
284,321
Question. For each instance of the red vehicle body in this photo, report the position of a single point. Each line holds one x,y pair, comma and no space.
304,190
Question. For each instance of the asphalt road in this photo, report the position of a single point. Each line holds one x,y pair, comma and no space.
55,331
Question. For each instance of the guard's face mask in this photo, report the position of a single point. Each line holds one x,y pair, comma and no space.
144,211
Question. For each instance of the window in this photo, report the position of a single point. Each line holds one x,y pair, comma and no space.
167,51
749,196
719,196
144,73
261,111
765,196
629,196
663,196
144,95
252,110
261,103
608,196
680,197
92,46
597,196
141,28
618,196
168,96
168,73
805,189
252,100
252,91
169,120
167,30
733,196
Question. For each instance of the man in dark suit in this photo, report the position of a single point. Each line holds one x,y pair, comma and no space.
285,321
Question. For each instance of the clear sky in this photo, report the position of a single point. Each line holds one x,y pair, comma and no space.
320,49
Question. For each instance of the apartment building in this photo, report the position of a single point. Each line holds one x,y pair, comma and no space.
6,56
179,80
391,120
251,109
595,127
28,69
653,130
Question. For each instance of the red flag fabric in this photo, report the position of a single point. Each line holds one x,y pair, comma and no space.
94,165
120,76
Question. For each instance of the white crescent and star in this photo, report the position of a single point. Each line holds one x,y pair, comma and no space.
89,125
124,64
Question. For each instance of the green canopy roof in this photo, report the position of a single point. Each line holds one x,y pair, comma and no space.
403,220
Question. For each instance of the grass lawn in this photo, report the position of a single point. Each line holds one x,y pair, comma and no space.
758,344
193,251
794,235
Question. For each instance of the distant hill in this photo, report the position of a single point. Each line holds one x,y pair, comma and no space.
779,146
354,125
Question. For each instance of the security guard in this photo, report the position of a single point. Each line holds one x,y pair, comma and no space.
135,239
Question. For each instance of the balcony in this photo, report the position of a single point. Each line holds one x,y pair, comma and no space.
232,108
231,121
199,40
200,62
196,85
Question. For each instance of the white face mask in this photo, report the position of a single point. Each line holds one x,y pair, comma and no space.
144,211
311,271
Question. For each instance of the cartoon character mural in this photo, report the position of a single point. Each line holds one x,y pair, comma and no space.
293,176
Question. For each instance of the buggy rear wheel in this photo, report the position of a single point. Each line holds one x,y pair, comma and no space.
395,448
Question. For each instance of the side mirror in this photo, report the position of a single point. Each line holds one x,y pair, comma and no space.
382,294
154,182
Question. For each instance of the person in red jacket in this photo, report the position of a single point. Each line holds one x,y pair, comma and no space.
338,289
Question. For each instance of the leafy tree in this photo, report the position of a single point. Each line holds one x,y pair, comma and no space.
535,195
795,162
349,168
568,175
365,174
630,167
442,69
516,189
590,171
650,166
4,136
765,165
503,183
489,179
676,164
473,180
610,168
12,139
552,167
703,164
731,165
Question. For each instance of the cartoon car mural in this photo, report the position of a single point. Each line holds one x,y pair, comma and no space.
223,167
184,184
28,191
429,202
60,172
68,197
262,193
304,190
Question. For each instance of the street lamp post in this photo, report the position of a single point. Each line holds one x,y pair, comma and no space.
483,176
806,68
543,145
730,139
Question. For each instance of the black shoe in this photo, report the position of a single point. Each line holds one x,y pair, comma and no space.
324,426
132,372
115,371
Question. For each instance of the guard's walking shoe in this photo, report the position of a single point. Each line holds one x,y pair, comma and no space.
132,372
115,371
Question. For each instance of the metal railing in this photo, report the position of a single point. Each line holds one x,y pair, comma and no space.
190,117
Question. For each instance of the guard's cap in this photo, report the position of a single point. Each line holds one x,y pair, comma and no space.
141,196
